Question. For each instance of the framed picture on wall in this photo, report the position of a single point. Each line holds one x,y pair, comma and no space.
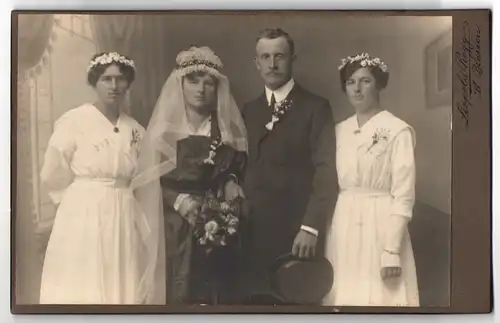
438,77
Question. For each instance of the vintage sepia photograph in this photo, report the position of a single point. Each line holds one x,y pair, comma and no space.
232,159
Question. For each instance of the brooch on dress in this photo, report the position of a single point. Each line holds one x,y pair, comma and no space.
279,111
216,143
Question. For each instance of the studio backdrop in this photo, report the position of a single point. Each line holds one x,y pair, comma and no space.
416,49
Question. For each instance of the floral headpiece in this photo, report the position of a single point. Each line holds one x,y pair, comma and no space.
109,58
365,60
198,59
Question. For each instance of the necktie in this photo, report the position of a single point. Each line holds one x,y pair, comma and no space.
273,101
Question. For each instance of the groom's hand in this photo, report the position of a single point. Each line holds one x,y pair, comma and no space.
304,245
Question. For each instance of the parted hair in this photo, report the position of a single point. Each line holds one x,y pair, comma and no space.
273,33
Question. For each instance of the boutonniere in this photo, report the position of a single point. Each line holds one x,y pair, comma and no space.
216,143
136,137
381,135
279,111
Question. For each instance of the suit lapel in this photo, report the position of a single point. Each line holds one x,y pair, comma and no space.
256,119
264,114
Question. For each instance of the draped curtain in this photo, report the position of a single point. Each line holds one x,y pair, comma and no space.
141,37
34,34
33,43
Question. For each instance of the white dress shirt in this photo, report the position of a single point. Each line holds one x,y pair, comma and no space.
281,93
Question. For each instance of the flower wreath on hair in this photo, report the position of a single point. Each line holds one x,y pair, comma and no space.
365,61
198,59
109,58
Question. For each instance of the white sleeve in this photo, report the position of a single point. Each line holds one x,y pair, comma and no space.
56,174
403,196
309,229
403,174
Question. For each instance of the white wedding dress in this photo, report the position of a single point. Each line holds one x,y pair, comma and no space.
376,179
92,254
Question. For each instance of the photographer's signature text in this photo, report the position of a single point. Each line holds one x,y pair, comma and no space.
470,69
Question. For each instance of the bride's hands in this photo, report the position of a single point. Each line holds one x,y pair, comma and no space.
190,209
232,190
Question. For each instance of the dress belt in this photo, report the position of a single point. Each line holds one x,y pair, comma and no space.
368,192
100,181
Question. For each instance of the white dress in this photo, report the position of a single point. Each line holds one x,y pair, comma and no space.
91,256
376,171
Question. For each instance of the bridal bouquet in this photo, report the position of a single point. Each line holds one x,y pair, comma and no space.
218,221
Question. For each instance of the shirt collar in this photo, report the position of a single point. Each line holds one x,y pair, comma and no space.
281,93
204,129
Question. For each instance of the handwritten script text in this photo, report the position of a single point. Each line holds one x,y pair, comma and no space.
470,69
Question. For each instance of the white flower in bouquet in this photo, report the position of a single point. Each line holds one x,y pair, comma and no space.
211,227
232,220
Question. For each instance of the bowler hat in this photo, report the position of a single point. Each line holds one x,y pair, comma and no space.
300,281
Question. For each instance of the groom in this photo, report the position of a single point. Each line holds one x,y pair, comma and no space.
290,181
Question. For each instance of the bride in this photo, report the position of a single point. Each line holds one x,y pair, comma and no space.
195,145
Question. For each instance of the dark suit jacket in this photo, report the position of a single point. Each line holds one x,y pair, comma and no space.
290,178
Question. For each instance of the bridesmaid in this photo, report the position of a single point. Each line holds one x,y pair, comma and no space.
91,256
368,242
